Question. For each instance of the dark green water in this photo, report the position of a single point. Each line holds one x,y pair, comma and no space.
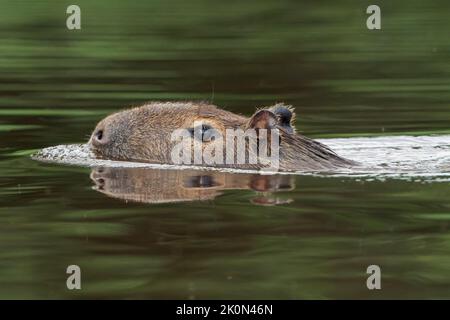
344,80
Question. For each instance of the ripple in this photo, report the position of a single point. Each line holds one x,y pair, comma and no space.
415,158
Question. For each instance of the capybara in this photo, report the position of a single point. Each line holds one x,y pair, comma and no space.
145,134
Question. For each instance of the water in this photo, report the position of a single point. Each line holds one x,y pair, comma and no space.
400,157
379,97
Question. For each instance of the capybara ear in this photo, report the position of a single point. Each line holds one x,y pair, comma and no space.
285,115
263,119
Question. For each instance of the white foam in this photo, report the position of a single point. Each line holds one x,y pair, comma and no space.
421,158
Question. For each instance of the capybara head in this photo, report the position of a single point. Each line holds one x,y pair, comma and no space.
144,134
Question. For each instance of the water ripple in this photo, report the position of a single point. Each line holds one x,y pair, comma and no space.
417,158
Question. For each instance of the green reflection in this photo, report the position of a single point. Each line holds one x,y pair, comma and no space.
344,80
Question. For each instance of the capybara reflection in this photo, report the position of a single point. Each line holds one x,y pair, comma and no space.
144,134
163,186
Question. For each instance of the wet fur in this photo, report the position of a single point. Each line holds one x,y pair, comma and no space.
143,134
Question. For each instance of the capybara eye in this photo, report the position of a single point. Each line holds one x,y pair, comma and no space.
205,132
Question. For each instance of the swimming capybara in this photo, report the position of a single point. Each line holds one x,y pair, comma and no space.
145,134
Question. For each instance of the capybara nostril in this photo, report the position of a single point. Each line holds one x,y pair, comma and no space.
99,137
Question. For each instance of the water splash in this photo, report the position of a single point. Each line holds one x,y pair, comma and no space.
420,158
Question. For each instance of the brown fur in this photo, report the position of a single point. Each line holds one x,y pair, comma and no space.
143,134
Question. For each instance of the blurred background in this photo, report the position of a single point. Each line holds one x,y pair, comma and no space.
343,79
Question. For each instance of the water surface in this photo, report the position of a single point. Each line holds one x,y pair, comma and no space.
294,237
